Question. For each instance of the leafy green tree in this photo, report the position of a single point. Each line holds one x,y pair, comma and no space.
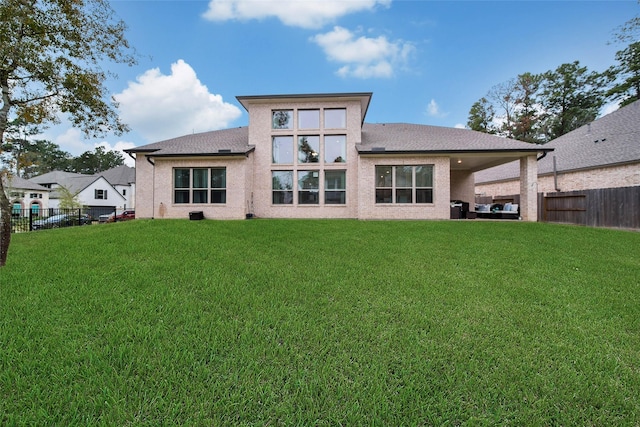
27,157
90,163
481,117
53,55
68,199
571,97
627,90
44,156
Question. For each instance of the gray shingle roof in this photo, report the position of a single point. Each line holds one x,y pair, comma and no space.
404,137
121,175
15,182
212,143
54,177
394,137
610,140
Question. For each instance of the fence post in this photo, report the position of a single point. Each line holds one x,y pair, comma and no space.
30,219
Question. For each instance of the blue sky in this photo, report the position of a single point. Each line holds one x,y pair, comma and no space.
426,62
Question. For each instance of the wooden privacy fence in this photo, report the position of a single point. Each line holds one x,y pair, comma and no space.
604,207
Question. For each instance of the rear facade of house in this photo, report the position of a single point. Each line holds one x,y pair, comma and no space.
312,156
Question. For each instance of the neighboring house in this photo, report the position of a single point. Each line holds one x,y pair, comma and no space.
602,154
26,196
123,179
94,192
312,156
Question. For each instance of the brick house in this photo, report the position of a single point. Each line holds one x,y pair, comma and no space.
313,156
602,154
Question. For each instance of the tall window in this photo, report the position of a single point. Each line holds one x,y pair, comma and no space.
282,187
308,187
218,185
303,142
199,185
335,188
404,184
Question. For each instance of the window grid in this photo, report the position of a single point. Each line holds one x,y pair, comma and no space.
310,147
404,184
199,185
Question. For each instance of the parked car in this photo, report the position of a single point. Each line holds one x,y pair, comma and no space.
126,215
106,217
62,220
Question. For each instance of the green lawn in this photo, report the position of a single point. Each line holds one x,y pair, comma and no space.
292,322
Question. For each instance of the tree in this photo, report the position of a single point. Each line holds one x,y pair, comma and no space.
68,199
52,59
43,156
629,32
481,117
628,70
503,97
571,97
90,163
526,122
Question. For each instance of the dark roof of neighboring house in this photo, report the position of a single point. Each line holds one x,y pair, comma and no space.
54,177
405,137
224,142
16,182
611,140
120,175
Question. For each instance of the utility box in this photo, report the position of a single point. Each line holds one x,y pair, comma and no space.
196,215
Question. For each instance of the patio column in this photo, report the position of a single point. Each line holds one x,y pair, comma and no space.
529,188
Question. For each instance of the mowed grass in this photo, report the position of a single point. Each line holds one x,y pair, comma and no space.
325,322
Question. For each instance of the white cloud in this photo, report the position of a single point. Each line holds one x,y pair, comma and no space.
609,108
364,57
71,140
161,106
296,13
433,109
119,146
460,126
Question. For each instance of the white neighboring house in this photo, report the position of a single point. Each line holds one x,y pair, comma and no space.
26,196
123,179
95,192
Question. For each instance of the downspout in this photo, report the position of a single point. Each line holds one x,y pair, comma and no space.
153,188
555,174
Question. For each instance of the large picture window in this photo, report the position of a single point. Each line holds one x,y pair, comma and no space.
199,185
404,184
